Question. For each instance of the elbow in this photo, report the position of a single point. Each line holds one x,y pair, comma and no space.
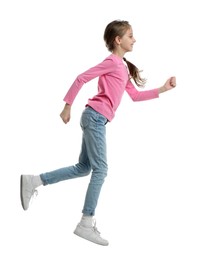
81,79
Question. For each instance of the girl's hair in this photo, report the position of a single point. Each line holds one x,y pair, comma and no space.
119,28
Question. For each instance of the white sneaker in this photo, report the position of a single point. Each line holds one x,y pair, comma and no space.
90,233
27,190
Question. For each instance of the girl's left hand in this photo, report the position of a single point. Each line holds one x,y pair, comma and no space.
170,83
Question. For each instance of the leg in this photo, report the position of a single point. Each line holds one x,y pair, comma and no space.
29,183
93,125
94,132
81,169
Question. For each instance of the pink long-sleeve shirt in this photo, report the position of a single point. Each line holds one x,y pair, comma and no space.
113,81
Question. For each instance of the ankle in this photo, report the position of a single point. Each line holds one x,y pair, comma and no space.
86,221
37,181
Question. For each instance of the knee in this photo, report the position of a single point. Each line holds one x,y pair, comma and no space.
83,168
87,170
104,170
99,175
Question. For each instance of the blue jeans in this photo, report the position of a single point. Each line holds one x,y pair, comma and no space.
92,158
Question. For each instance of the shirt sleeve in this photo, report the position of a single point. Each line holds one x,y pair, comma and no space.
140,95
105,67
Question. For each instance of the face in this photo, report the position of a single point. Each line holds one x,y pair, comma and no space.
127,41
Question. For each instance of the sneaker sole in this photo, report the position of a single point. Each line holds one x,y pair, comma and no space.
21,197
77,233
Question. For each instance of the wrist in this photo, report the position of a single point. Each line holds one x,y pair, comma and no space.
162,89
67,105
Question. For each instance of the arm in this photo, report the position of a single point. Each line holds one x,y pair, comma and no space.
137,95
149,94
102,68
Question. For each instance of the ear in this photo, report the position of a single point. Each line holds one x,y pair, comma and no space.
117,40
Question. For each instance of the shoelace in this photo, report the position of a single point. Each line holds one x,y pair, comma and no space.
33,196
95,228
35,193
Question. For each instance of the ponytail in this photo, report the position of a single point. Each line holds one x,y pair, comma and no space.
135,74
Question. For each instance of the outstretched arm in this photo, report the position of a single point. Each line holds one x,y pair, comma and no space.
137,95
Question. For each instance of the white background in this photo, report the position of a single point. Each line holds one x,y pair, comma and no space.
149,207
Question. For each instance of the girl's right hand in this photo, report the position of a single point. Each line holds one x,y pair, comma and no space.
65,114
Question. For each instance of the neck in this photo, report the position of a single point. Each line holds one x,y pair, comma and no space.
119,53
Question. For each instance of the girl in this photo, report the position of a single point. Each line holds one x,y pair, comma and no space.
115,76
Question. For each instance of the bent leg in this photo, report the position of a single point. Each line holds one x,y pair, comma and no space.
81,169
